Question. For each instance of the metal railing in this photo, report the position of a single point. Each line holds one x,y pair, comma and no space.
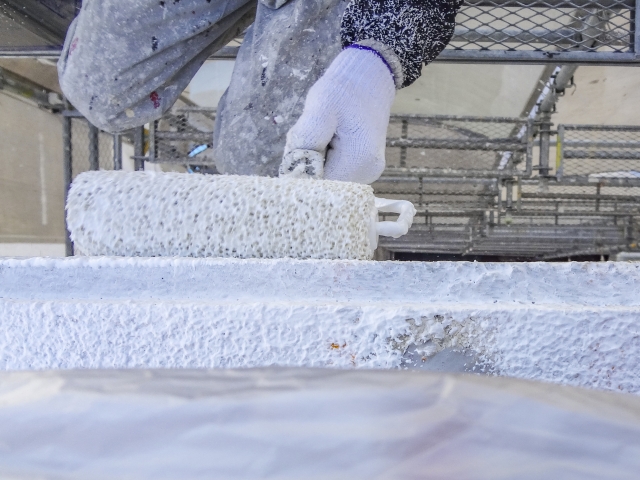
451,146
476,185
598,151
590,201
183,136
546,31
487,31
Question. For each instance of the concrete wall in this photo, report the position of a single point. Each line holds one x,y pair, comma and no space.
31,174
602,95
443,89
493,90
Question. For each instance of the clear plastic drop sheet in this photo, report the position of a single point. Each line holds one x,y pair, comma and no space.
306,424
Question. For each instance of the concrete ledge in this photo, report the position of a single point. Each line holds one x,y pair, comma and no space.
572,323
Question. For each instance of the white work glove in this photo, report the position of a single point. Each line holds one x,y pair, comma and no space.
345,120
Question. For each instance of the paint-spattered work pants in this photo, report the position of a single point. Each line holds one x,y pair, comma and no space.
126,62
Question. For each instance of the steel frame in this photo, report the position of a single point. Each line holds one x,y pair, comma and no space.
490,206
606,223
543,45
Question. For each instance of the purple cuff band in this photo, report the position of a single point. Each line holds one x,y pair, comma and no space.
373,50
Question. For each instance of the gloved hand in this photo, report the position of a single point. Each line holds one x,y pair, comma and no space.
345,120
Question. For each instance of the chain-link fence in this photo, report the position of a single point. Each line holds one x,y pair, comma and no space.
541,31
458,146
490,31
91,149
527,30
473,180
598,151
184,136
546,25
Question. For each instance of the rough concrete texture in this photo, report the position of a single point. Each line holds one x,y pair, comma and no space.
570,323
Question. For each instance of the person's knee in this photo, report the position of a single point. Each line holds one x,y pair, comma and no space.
105,104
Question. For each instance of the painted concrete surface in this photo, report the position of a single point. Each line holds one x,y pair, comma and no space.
573,323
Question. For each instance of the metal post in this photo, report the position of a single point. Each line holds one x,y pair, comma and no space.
636,33
152,140
559,152
68,176
529,162
94,148
499,206
138,148
545,133
556,88
117,152
403,150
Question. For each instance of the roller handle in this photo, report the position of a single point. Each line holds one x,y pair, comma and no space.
401,226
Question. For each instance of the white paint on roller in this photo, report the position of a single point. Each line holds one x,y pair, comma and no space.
570,323
173,214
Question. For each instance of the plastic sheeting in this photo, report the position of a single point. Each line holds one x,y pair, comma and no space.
303,423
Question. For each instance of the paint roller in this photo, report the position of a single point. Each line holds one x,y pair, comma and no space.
153,214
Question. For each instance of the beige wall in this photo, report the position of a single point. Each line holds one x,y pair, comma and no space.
31,174
602,95
446,89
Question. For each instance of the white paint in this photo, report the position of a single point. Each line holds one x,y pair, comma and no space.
43,181
177,214
572,323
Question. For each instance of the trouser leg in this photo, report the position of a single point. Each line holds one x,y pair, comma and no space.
282,56
125,63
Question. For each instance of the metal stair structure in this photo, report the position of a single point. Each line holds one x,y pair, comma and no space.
477,185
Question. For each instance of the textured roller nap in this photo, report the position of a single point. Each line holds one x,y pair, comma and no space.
171,214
